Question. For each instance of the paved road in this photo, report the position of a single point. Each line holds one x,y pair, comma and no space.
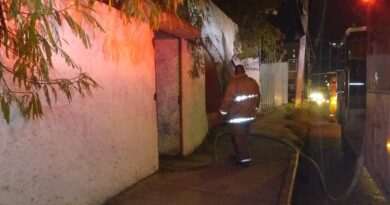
323,146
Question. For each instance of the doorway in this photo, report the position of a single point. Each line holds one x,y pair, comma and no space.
168,98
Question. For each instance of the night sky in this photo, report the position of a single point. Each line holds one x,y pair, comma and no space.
288,21
340,15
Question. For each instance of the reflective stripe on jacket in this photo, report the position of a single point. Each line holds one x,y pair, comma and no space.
241,99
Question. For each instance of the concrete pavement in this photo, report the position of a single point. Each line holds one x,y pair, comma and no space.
210,176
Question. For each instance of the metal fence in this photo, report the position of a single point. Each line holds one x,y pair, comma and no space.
273,81
273,85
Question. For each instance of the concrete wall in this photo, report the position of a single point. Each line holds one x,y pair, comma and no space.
85,151
218,33
194,105
221,32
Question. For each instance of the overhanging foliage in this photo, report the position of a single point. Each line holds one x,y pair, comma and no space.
264,41
258,38
29,39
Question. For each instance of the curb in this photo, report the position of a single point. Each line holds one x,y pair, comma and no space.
288,185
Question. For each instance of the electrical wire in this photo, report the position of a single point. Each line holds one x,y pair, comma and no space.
321,29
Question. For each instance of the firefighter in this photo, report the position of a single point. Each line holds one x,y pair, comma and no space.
239,107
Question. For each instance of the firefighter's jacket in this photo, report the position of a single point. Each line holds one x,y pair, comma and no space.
241,99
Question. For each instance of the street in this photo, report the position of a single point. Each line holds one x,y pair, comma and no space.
323,146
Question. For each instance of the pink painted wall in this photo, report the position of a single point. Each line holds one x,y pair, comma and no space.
88,150
194,114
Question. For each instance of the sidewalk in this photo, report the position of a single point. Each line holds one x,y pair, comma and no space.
210,176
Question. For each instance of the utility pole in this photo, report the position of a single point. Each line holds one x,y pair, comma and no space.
302,54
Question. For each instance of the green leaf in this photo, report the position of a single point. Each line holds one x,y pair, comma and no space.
1,70
20,73
78,30
13,8
54,92
29,109
5,108
49,32
57,17
92,20
22,108
32,29
39,106
38,6
47,95
33,106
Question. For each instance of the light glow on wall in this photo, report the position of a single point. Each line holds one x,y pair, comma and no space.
388,145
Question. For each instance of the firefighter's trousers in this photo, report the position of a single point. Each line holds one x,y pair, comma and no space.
240,134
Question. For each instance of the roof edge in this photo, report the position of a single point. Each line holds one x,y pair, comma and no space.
175,26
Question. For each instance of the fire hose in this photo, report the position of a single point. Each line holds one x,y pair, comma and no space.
294,148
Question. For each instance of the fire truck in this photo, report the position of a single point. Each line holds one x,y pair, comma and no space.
363,89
